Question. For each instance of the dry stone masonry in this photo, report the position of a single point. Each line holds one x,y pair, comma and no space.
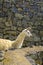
15,15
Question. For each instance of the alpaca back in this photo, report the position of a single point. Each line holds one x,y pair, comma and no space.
5,44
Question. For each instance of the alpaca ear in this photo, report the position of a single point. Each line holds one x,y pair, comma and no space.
29,28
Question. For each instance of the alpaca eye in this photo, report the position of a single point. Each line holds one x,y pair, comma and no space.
27,31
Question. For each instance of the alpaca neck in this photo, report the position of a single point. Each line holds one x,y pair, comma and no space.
19,41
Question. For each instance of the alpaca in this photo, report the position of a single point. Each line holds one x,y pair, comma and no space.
7,44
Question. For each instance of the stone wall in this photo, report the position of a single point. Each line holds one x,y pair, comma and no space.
16,15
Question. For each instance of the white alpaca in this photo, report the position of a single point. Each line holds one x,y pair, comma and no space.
7,44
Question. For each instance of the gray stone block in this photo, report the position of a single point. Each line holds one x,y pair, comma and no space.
1,35
19,16
9,23
13,28
41,33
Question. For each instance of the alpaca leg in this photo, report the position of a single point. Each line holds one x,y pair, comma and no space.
2,55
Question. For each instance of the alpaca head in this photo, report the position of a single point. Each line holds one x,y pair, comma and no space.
27,32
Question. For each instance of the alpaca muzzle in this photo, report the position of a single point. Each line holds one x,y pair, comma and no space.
30,35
